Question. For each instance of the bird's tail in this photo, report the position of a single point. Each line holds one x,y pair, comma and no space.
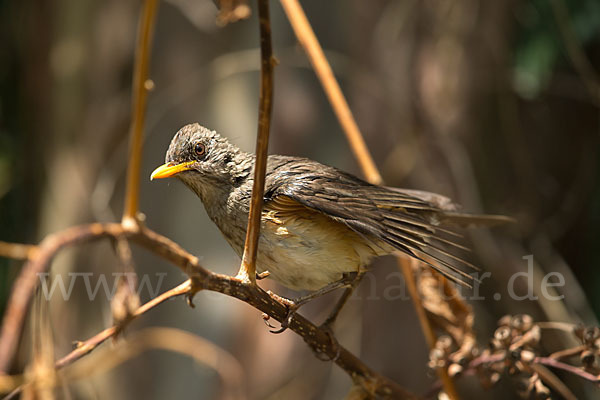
473,220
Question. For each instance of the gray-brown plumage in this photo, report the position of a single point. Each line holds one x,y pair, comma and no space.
318,222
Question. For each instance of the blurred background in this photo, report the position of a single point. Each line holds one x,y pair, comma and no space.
492,103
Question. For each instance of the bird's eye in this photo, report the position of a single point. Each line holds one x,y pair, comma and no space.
200,149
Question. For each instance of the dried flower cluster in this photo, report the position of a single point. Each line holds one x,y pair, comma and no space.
515,351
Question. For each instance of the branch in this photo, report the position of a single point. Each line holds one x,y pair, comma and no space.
139,96
86,347
318,339
313,49
247,270
26,282
170,339
554,363
406,265
17,251
553,381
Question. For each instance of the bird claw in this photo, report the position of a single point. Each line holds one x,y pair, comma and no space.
285,324
292,307
190,300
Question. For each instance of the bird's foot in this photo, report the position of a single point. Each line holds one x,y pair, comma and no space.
322,355
349,279
292,307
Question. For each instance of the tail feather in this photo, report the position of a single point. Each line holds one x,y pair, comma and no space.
474,220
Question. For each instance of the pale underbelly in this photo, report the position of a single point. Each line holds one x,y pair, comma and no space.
303,256
307,252
304,266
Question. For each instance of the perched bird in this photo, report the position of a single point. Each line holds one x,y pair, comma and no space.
320,226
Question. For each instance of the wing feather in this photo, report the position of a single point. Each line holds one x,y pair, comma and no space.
408,221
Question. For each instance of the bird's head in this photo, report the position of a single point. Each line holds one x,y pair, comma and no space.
201,157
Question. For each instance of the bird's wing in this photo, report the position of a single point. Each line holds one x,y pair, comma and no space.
406,222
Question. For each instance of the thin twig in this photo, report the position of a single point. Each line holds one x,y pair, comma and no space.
313,49
573,351
561,326
170,339
139,97
87,346
247,270
27,281
553,381
318,339
551,362
17,251
406,265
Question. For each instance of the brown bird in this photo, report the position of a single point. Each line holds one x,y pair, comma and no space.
320,226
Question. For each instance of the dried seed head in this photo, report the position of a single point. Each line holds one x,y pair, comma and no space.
437,358
541,391
590,335
495,377
588,358
503,335
505,320
522,322
444,342
527,356
454,370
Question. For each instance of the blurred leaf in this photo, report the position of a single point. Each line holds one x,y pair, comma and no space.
539,48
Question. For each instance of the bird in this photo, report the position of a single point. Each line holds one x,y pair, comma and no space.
320,226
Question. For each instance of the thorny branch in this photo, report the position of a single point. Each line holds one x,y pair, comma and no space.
247,270
200,279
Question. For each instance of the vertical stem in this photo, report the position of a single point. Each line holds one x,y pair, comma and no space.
311,45
247,270
406,265
139,96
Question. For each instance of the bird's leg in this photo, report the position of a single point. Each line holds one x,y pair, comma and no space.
293,305
342,301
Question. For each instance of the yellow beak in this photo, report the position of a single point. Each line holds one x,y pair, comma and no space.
169,169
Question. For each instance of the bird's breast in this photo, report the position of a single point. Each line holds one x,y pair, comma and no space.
302,249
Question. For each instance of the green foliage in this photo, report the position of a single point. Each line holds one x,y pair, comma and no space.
540,49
